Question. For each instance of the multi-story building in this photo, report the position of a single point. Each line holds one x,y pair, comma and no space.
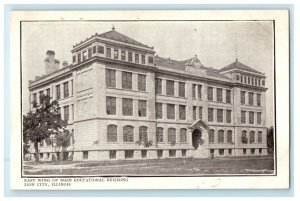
122,101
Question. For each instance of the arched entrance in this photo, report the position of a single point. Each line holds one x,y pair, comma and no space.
196,137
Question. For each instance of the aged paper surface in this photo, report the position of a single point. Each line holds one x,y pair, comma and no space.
151,99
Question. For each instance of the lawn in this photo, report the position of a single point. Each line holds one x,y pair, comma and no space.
156,167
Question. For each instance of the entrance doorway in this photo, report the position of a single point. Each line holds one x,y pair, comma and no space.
196,137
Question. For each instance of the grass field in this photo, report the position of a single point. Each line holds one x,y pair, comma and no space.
156,167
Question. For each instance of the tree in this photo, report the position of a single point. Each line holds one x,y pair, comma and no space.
270,140
42,122
63,141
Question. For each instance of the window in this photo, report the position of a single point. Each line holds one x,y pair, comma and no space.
210,114
94,49
112,154
183,153
172,153
150,60
130,56
66,113
229,151
182,113
228,96
220,115
66,89
181,89
228,116
242,79
229,136
85,155
126,80
127,106
219,95
194,113
112,135
144,153
220,136
194,91
252,81
263,82
41,94
71,87
255,80
123,55
142,108
260,151
34,98
252,137
258,82
199,92
183,135
259,137
158,111
237,77
244,138
84,55
252,151
100,49
211,136
172,135
258,97
116,54
129,154
250,98
244,151
251,117
137,58
243,97
200,112
110,105
89,52
170,88
143,59
48,92
259,118
243,117
170,111
108,52
210,95
128,134
79,57
110,78
158,86
159,153
221,152
41,155
142,82
74,58
248,80
160,134
143,134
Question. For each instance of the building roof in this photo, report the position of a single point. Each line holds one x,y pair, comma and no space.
239,66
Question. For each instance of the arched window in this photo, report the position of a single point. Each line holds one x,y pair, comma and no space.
211,136
259,137
244,138
252,137
172,135
229,136
112,135
160,134
183,135
128,134
143,133
220,136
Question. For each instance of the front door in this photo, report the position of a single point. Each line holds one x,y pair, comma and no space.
196,137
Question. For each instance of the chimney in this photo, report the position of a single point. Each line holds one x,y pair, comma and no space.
51,64
65,63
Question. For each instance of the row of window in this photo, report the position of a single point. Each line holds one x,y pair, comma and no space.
67,112
221,136
250,80
128,134
127,106
220,117
250,98
221,151
251,117
244,138
219,98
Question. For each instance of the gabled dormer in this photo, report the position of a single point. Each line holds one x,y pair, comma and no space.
194,65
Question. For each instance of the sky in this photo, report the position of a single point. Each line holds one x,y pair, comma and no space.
216,43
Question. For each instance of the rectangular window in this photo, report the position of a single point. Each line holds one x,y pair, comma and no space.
89,52
221,152
129,154
100,49
170,111
219,95
194,113
84,55
141,82
259,118
116,54
182,113
130,56
158,85
251,117
74,58
244,151
108,52
85,155
170,88
137,58
144,153
159,153
66,89
172,153
79,57
199,92
252,151
183,153
150,60
200,112
220,115
158,112
66,113
48,92
228,96
229,151
58,92
181,89
210,114
72,87
111,105
143,59
260,151
112,154
259,137
258,97
243,117
127,106
228,116
94,49
126,80
243,97
34,98
142,108
160,134
250,98
210,95
194,91
41,94
110,78
123,55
